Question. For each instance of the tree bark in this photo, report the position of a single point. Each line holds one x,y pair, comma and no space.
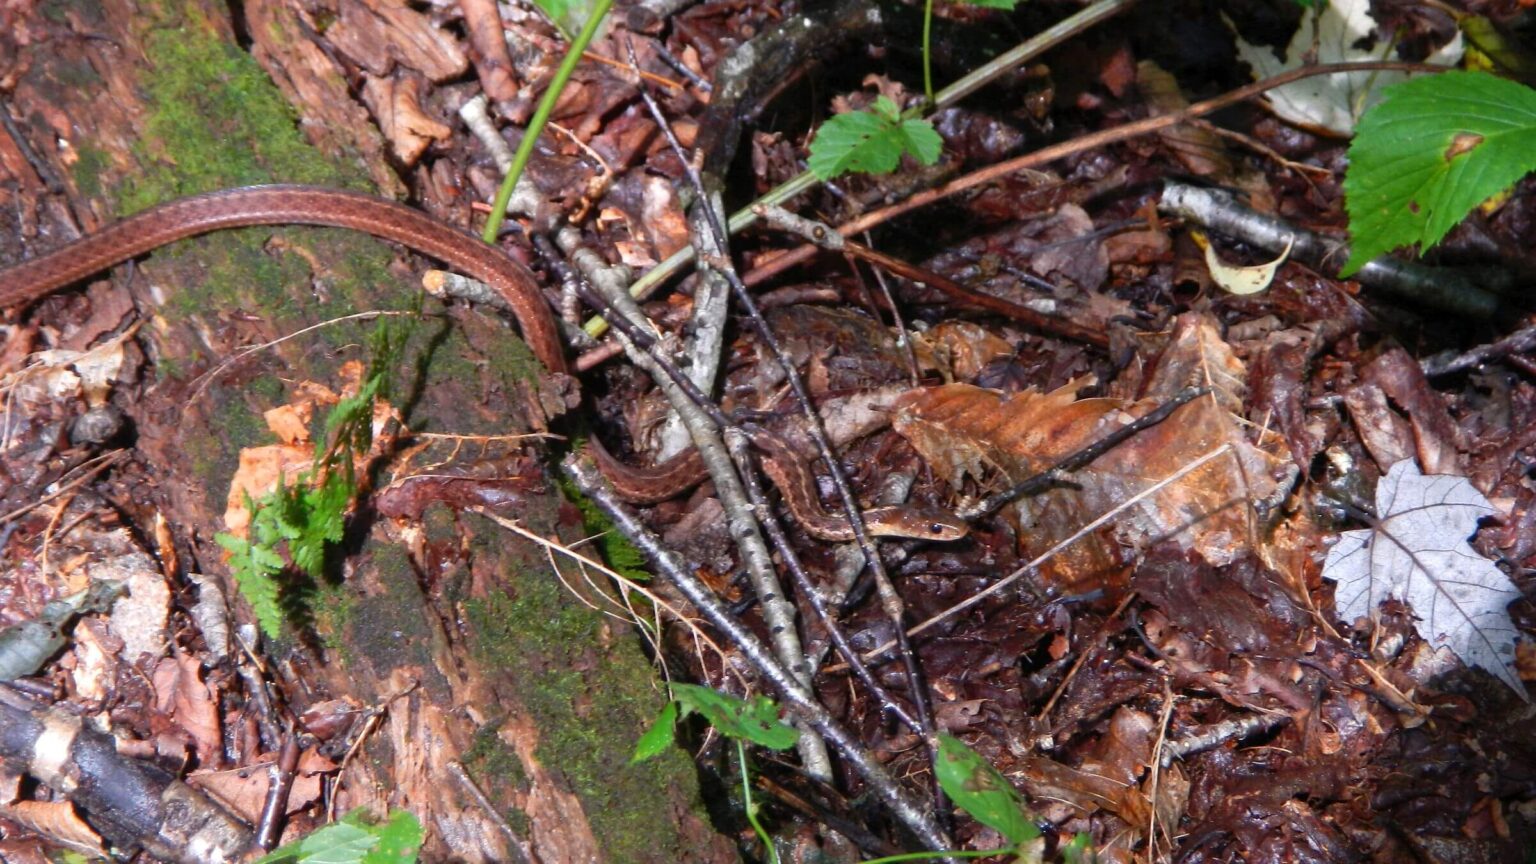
454,627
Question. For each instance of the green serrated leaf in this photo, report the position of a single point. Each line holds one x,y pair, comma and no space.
262,592
399,840
976,787
266,561
885,109
921,140
1431,151
232,544
337,843
253,567
283,854
658,738
871,142
756,721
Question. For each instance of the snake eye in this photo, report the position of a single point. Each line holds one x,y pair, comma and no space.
935,528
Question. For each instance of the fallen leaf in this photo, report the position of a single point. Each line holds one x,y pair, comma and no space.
1417,552
1236,279
1333,102
970,432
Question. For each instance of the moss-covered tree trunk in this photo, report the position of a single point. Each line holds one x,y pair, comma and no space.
453,626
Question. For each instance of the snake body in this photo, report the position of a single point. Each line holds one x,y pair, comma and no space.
158,226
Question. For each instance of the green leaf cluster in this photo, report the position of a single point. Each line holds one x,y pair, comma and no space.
969,780
755,720
1432,150
354,841
872,142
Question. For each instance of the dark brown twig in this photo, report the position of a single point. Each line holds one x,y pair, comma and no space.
917,817
1083,143
280,775
891,602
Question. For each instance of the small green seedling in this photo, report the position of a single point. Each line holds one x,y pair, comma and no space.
755,720
969,780
872,142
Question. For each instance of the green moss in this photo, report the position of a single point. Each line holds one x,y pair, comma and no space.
89,165
497,770
267,389
212,449
385,626
590,711
56,13
217,120
513,357
79,76
334,608
214,120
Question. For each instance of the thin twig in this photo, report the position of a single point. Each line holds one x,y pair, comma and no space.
917,817
1046,155
1033,47
627,585
891,603
704,422
519,848
1081,458
205,380
90,468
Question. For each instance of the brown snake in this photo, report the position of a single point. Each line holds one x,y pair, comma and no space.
309,205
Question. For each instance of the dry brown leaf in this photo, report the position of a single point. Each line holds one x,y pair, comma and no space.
258,473
60,374
58,821
1385,433
180,693
1208,510
965,431
378,33
968,432
1200,151
665,222
244,789
961,348
396,104
261,468
290,423
1123,755
1047,780
1064,243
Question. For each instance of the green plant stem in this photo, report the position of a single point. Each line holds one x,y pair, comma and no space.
928,52
541,117
919,856
751,806
745,218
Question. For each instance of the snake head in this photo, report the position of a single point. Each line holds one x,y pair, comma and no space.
927,523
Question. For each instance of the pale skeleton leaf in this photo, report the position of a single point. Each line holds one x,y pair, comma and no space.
1333,34
1418,553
